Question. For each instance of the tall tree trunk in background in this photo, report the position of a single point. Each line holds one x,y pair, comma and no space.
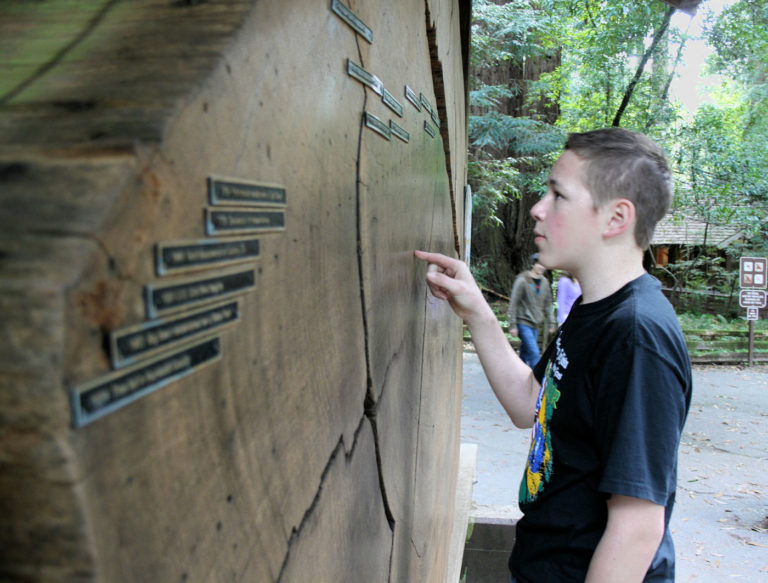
508,249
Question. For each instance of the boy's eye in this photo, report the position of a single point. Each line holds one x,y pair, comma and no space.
557,194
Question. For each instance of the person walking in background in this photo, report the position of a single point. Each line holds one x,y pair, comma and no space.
568,291
530,304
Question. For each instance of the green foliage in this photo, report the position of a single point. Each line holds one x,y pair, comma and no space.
718,153
496,183
482,272
490,96
602,42
527,137
503,32
722,173
505,150
717,323
740,39
703,272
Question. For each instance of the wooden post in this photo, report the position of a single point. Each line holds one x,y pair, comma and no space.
751,341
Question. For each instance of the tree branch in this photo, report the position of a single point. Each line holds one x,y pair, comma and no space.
639,73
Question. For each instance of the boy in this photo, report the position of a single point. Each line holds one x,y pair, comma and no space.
609,397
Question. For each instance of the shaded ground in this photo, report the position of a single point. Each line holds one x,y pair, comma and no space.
719,524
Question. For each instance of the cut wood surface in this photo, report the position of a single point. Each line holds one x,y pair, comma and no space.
317,438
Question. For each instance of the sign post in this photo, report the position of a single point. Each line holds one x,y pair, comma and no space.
752,277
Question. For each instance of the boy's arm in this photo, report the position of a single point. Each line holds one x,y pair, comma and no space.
512,381
630,541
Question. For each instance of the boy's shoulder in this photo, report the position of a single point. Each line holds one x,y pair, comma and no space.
638,309
643,301
645,317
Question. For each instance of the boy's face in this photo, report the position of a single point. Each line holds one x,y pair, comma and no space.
567,222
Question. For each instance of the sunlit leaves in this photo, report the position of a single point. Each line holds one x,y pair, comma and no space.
719,154
522,135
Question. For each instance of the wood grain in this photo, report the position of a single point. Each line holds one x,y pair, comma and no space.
323,445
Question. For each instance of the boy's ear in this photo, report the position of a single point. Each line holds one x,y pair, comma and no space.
620,217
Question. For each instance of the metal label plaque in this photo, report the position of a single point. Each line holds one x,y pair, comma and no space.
411,96
182,256
352,20
377,125
185,294
369,79
425,103
429,129
399,132
131,344
392,103
229,191
111,392
435,118
237,222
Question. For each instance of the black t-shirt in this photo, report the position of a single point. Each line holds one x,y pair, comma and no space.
616,387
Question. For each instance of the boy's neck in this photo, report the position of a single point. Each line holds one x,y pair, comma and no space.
608,274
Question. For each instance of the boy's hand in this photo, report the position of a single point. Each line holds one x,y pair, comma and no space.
450,279
511,379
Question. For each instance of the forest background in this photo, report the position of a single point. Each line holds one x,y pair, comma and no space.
543,68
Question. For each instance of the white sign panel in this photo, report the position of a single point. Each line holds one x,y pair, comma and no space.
752,298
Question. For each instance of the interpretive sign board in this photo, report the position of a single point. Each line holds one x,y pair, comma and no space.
752,280
752,298
752,272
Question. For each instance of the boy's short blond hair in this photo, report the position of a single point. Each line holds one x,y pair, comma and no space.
625,164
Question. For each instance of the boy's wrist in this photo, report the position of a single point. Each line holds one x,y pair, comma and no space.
484,316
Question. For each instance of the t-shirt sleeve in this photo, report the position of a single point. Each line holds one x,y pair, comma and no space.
639,415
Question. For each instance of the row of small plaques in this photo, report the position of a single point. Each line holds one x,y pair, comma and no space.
242,207
186,315
223,220
377,86
369,79
150,355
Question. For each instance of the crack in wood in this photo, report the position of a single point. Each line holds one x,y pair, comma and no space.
369,406
348,453
439,87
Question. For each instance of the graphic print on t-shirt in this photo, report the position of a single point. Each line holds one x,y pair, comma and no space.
538,468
